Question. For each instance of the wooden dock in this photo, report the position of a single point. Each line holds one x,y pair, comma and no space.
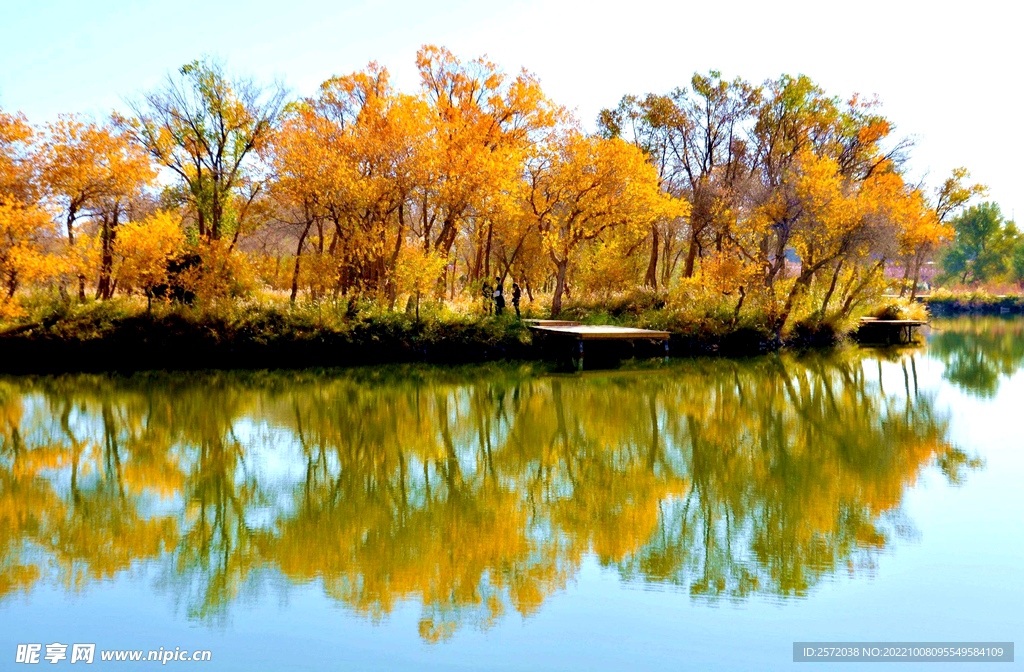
600,332
874,330
576,334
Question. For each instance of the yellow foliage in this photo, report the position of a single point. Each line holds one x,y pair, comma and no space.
85,165
221,273
23,257
16,162
142,251
583,188
775,198
416,270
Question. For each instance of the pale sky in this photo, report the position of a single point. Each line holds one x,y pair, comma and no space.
944,72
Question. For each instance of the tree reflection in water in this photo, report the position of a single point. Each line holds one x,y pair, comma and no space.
473,492
978,351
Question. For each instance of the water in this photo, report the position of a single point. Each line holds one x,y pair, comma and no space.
699,515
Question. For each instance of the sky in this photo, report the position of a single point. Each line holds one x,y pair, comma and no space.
945,72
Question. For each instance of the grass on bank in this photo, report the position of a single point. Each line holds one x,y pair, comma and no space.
266,329
58,335
974,300
257,321
267,317
712,321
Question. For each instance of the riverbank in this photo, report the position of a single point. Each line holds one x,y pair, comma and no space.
944,303
106,336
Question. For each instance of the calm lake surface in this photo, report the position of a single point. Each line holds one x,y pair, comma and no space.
702,514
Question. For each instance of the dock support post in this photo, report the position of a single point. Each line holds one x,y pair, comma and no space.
577,357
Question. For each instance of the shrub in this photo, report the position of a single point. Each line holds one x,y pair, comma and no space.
900,309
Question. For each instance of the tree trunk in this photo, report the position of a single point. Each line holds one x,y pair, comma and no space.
476,269
666,261
906,276
108,232
298,256
801,284
917,276
852,298
487,250
215,211
72,214
739,305
831,289
691,255
443,245
556,300
651,280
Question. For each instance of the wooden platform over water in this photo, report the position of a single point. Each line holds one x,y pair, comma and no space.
874,330
599,332
607,342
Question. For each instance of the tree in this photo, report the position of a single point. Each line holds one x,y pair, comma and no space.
379,143
24,223
351,158
416,272
18,181
93,170
922,232
954,194
982,247
824,219
696,139
143,251
23,258
205,126
300,188
579,188
921,240
483,123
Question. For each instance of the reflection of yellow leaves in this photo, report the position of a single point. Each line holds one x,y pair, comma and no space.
107,541
17,578
50,458
162,479
473,497
433,632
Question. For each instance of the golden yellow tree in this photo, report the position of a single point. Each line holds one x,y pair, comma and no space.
927,230
350,158
23,257
483,123
17,178
92,170
416,271
24,224
579,188
143,250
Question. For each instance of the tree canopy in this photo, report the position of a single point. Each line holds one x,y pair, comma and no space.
778,204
